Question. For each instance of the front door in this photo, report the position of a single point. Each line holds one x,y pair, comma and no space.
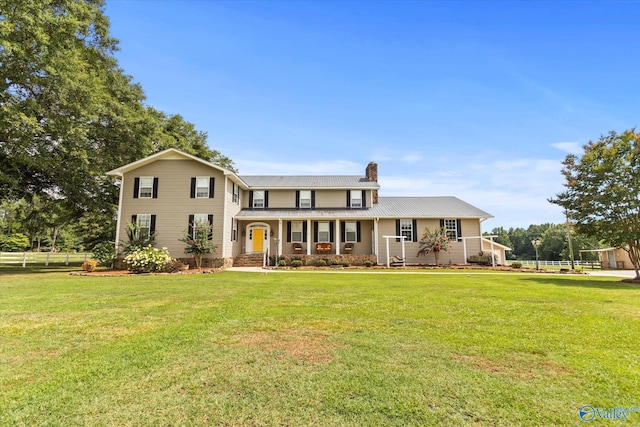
258,240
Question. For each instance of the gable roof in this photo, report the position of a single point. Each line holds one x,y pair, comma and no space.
486,243
169,154
298,182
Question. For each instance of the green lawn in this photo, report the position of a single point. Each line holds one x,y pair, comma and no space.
315,349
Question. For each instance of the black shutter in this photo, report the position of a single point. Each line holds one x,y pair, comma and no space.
155,188
288,231
459,227
266,199
348,198
315,231
297,198
364,199
193,187
134,219
313,199
415,230
190,231
358,231
331,231
397,229
152,228
304,231
136,187
212,184
251,199
441,223
210,233
343,232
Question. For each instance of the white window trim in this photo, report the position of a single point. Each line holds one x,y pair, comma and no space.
406,226
143,221
205,187
236,194
305,202
451,229
260,199
356,202
294,225
354,232
150,187
199,219
322,225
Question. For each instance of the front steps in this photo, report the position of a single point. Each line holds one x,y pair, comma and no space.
248,260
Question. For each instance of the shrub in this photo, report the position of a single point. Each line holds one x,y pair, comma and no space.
198,241
105,253
16,242
335,262
368,263
137,239
296,263
147,260
516,265
173,266
89,265
346,263
282,263
321,263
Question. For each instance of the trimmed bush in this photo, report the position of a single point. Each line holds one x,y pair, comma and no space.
516,265
346,263
296,263
321,263
368,263
89,265
282,263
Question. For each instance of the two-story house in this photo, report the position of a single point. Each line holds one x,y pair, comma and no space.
306,216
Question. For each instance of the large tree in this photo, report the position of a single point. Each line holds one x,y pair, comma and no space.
602,193
69,113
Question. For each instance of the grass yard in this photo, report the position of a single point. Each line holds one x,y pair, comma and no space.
315,349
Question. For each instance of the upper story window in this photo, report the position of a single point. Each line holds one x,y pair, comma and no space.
236,193
258,199
202,187
296,231
145,187
356,198
305,199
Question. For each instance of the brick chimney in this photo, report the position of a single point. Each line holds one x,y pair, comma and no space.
372,175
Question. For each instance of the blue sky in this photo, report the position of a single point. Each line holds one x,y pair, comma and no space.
479,100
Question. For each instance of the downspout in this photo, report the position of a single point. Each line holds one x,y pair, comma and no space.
119,217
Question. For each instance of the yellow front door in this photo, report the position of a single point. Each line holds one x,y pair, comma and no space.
258,240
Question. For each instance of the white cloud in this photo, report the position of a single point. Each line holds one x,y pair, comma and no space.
568,147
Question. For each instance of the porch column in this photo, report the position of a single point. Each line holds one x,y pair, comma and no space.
337,237
376,240
309,237
279,250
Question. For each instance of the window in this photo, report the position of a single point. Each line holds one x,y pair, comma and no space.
451,228
356,198
236,193
323,232
144,223
406,229
199,224
305,199
296,231
258,199
202,187
146,187
351,231
234,230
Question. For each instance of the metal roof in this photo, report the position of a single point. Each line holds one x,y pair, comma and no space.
387,207
308,182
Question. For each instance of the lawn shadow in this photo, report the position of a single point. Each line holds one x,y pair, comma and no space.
11,270
586,282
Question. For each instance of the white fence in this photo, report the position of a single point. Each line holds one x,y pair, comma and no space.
43,258
585,264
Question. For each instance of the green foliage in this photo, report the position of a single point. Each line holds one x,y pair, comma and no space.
321,263
516,264
147,260
282,263
137,238
296,263
433,242
601,191
174,266
16,242
199,241
105,253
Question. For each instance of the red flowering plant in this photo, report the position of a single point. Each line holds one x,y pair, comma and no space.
434,241
198,240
